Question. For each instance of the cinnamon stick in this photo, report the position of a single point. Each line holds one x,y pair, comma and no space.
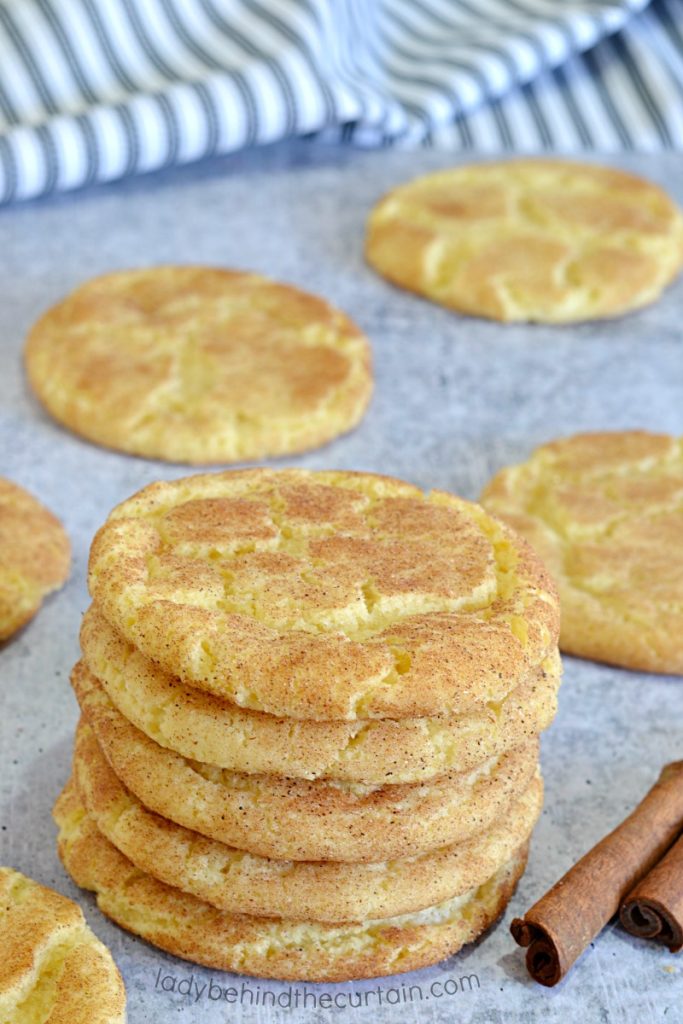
559,926
654,909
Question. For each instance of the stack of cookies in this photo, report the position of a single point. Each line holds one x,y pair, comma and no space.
310,707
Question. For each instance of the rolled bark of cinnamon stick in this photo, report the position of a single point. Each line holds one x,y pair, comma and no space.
654,909
562,923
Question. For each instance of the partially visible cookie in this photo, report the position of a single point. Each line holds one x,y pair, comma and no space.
605,512
289,949
52,967
198,364
35,556
541,240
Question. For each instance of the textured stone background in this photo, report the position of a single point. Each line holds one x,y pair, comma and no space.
456,398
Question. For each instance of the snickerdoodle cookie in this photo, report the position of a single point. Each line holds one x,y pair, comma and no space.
35,556
325,595
605,512
545,240
52,967
198,364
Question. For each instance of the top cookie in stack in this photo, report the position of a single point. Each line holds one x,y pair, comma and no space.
325,596
326,689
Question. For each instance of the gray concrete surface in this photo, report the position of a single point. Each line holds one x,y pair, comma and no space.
456,398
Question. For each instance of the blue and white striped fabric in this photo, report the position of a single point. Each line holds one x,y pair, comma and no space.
93,90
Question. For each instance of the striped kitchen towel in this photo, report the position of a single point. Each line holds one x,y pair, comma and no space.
94,90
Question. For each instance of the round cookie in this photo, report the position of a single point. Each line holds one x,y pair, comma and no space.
294,819
35,556
325,595
605,512
529,240
319,891
201,365
377,752
52,966
287,949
